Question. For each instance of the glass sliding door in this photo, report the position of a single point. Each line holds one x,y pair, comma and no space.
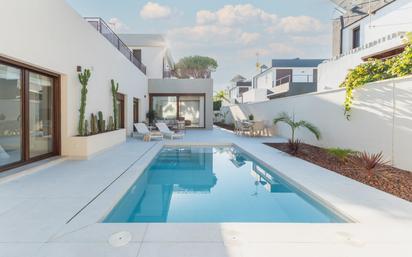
40,114
191,108
165,107
10,115
29,114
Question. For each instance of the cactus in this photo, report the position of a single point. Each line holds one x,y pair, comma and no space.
115,89
100,122
110,125
86,128
93,124
103,126
84,79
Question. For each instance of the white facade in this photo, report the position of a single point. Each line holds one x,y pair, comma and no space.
268,78
383,30
51,36
59,41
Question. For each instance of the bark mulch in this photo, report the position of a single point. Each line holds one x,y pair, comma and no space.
225,126
387,178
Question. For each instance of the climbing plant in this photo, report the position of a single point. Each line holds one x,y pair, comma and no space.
376,70
84,80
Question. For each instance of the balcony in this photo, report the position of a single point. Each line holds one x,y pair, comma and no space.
108,33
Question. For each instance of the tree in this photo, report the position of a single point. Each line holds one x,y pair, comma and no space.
294,125
197,67
221,95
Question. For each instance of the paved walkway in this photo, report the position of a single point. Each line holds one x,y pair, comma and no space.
55,209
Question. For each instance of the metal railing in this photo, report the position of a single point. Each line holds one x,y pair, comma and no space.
100,25
281,81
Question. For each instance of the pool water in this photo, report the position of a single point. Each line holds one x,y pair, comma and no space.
214,185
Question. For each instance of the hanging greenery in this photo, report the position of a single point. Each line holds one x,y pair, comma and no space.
376,70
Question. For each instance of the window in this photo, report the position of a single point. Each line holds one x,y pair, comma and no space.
356,38
120,109
189,107
138,54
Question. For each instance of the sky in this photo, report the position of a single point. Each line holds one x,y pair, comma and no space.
232,32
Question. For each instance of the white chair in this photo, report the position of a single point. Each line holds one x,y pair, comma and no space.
143,131
167,132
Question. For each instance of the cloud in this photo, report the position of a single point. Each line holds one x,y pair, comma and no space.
205,33
293,24
153,10
117,25
272,50
248,38
230,15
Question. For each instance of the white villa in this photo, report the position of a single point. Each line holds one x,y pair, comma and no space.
285,77
40,89
366,29
238,86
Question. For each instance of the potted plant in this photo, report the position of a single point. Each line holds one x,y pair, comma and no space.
151,115
251,117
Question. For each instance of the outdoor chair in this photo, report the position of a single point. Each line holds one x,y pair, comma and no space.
142,130
167,132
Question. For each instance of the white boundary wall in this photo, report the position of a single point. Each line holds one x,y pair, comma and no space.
50,35
381,118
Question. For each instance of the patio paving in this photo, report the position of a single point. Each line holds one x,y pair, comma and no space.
54,210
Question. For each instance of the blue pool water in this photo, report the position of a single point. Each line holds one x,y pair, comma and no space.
214,184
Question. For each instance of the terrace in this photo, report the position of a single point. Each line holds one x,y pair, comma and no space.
56,208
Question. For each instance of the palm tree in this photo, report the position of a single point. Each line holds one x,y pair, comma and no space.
221,95
294,125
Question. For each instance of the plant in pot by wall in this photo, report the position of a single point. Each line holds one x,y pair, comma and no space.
2,116
251,117
294,143
115,89
151,115
84,80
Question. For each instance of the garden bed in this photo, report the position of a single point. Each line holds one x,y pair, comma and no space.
225,126
389,179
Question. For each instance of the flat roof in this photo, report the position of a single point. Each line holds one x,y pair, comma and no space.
297,62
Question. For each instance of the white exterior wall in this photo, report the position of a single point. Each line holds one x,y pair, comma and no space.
381,118
265,79
153,58
50,35
392,18
255,95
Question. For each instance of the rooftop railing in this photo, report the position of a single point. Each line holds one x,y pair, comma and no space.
100,25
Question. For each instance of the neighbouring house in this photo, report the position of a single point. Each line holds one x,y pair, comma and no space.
40,89
238,86
286,77
364,30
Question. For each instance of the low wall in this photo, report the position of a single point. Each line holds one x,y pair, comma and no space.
86,147
381,118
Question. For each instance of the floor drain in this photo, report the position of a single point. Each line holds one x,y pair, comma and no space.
120,239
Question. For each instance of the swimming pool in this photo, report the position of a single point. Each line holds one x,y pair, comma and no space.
215,185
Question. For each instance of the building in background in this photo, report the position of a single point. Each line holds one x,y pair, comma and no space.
238,86
286,77
366,29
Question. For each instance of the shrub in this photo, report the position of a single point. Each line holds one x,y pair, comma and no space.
369,163
294,125
340,153
217,105
251,117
